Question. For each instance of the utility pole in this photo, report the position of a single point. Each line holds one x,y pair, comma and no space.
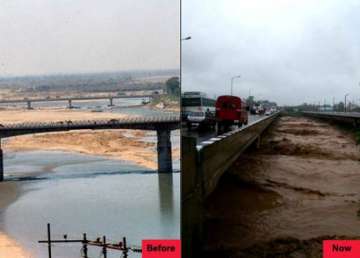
347,94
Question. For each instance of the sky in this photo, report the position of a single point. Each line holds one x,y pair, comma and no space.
286,51
75,36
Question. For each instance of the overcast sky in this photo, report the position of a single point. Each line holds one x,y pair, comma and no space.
285,50
69,36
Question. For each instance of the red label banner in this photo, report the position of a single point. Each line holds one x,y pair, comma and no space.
161,248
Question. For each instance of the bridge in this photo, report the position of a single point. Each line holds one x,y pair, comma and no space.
203,165
163,125
344,117
71,99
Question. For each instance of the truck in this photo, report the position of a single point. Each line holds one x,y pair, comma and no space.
230,110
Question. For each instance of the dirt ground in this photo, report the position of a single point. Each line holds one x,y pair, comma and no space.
282,200
10,249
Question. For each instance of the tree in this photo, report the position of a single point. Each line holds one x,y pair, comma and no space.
173,86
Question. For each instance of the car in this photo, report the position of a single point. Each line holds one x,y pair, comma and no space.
201,119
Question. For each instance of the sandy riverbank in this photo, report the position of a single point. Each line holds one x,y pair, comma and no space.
53,115
119,144
9,248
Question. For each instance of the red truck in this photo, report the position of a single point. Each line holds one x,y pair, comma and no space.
230,110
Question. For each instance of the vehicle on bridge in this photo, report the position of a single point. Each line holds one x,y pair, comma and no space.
198,110
230,110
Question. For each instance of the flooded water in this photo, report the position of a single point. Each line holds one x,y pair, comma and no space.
80,193
301,185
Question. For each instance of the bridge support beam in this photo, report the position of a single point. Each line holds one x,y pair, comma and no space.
29,104
111,102
164,151
70,104
1,165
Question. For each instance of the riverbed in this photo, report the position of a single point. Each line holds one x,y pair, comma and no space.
80,193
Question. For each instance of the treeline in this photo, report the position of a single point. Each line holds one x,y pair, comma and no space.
95,82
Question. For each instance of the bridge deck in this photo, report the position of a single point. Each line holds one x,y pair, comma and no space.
143,123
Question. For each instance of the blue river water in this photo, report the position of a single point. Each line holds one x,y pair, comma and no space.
79,193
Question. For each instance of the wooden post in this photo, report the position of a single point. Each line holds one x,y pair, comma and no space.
104,247
49,239
125,252
85,249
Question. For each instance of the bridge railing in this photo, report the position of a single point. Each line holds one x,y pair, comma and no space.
75,123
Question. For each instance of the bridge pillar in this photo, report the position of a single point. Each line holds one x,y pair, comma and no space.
111,102
70,104
164,151
29,104
1,165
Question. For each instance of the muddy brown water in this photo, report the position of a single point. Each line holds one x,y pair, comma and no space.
282,200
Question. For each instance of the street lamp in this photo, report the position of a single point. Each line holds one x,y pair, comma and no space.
347,94
232,82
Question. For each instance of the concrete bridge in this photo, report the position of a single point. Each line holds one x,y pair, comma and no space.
202,167
343,117
163,125
70,100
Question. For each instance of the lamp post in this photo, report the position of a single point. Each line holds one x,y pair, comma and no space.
347,94
232,82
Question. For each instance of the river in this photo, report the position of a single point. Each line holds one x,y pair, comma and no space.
281,200
79,193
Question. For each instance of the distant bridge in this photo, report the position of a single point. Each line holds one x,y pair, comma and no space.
163,125
71,99
344,117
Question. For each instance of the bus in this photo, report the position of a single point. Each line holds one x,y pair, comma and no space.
197,109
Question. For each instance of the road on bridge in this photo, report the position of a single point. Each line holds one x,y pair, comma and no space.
205,135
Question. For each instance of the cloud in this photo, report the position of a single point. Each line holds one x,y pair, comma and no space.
287,51
49,36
